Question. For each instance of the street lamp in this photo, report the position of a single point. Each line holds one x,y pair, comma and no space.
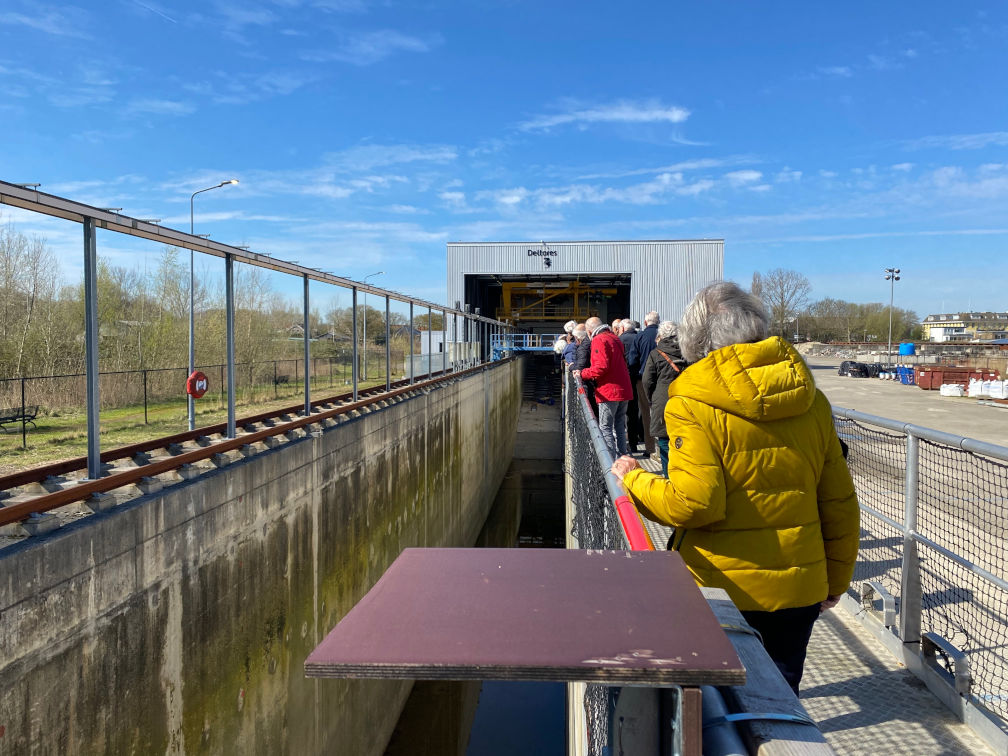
892,276
192,298
364,280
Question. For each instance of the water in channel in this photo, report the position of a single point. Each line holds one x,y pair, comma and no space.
490,718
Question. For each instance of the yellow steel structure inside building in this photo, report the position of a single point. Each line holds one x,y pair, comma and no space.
563,300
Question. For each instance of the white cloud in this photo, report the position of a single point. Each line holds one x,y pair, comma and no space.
959,141
788,176
65,22
454,199
238,88
624,111
903,167
154,106
841,72
366,157
685,165
828,174
646,193
741,178
372,47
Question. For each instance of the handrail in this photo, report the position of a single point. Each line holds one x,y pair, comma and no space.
928,434
54,206
634,533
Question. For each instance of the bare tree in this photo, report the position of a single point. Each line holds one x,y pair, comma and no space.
785,293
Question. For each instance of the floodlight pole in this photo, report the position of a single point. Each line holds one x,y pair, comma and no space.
192,296
892,276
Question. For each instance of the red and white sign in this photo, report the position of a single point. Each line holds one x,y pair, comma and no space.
197,384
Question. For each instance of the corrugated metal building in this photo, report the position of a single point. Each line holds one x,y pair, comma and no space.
521,280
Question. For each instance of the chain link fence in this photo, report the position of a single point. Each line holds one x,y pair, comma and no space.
948,498
594,525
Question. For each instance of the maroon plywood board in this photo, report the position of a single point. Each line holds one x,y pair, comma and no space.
532,614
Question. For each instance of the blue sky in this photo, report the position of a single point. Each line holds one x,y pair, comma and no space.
833,139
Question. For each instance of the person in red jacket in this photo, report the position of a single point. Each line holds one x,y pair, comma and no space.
612,384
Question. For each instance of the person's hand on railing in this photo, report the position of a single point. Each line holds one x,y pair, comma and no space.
622,466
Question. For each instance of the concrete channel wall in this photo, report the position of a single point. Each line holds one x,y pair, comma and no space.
179,622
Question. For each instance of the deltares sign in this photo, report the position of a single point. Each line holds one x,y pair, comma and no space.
545,254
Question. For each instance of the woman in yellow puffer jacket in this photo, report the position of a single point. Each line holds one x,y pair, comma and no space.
758,490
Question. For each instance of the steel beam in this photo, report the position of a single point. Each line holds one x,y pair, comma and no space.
307,354
229,307
388,346
353,372
91,347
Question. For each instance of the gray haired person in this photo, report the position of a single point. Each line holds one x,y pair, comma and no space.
757,489
643,344
663,366
635,428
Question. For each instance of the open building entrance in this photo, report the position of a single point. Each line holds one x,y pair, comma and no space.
543,303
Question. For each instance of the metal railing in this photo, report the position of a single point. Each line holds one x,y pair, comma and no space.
604,517
506,344
932,562
474,327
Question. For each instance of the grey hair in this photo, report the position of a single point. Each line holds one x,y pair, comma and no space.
569,326
721,314
652,318
628,324
667,329
580,333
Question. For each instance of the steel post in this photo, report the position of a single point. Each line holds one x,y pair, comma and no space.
145,396
307,353
91,346
24,420
430,342
911,598
191,404
229,305
353,371
455,341
444,341
411,342
388,347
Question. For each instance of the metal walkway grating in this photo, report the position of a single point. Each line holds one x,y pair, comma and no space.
864,701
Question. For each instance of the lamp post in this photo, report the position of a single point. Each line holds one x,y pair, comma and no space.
364,366
192,296
892,276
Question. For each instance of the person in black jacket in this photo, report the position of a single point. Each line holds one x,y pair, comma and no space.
582,359
628,337
643,344
663,366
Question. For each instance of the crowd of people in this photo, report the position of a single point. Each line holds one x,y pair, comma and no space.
754,479
626,370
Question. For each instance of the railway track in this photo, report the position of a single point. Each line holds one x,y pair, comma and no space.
139,469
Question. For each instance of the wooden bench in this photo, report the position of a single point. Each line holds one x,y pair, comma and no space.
17,415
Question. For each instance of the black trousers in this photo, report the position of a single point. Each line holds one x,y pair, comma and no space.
635,429
786,634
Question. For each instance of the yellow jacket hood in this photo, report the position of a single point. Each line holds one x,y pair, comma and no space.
767,380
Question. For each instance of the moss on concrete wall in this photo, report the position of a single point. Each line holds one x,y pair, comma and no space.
179,623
